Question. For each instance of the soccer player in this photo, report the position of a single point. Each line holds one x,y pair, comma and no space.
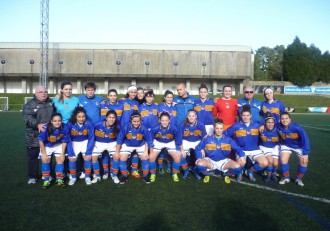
140,95
269,144
65,103
246,135
112,104
149,110
169,107
133,137
91,102
204,107
168,136
293,139
213,153
192,132
271,105
106,133
82,142
226,108
53,140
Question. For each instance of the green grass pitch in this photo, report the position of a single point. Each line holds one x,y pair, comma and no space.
165,205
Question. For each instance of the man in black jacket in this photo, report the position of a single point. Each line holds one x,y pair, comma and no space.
36,113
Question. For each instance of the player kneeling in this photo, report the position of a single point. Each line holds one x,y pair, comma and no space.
213,153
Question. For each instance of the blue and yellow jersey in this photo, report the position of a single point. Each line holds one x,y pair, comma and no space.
134,137
217,149
149,114
80,133
92,107
166,135
255,106
269,138
275,108
170,109
104,134
246,137
57,136
294,137
204,111
193,132
107,106
129,105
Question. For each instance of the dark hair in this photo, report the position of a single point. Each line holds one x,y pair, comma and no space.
113,90
149,93
139,89
63,84
225,87
246,108
167,92
50,126
285,113
77,110
268,116
135,113
90,85
218,121
186,121
164,113
203,85
115,125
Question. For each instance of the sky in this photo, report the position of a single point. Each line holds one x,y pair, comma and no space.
254,23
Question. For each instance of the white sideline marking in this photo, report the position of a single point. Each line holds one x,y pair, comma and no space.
325,129
284,192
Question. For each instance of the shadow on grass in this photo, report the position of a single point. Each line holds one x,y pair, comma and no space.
154,222
237,215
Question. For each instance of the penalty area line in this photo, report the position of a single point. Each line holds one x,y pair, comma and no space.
327,201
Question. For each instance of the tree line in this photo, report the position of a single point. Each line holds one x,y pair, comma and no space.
299,64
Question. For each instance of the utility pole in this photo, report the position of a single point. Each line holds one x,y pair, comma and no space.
44,29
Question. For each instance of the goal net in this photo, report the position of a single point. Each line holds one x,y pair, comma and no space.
4,104
27,99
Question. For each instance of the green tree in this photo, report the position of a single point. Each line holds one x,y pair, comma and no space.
298,64
325,68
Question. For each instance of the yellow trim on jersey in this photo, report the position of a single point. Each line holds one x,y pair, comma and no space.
211,147
226,147
99,133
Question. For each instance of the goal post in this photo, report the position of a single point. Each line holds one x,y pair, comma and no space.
4,106
27,99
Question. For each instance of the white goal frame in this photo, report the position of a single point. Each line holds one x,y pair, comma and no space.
4,104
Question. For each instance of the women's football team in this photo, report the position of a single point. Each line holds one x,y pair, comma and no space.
135,131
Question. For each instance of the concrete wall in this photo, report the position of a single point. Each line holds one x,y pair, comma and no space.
119,65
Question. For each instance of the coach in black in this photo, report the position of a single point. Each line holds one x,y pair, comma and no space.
36,113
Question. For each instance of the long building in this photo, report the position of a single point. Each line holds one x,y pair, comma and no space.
158,67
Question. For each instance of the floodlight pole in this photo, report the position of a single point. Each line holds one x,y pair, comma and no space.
44,29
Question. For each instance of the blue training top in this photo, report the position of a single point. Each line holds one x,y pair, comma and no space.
92,107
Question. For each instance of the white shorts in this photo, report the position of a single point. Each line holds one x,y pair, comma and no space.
56,150
298,151
253,154
100,147
79,147
169,146
128,149
209,129
274,152
218,164
188,145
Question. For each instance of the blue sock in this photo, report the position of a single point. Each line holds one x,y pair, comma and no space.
175,167
152,167
301,171
105,163
285,170
96,168
115,167
45,167
59,168
135,163
269,170
202,169
123,168
73,168
145,167
88,168
161,160
256,167
234,171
